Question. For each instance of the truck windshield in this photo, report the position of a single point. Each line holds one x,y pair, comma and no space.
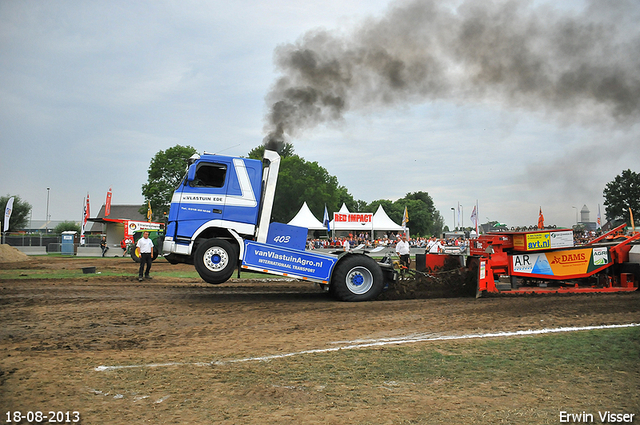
209,175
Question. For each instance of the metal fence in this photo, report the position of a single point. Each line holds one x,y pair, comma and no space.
53,243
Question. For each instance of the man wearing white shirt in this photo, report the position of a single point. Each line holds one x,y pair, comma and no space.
436,247
403,250
145,245
432,241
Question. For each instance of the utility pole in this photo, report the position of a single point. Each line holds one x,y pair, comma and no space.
46,219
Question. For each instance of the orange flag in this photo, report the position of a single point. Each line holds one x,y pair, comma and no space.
540,220
107,204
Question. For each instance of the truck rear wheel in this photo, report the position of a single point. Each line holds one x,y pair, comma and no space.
357,278
215,260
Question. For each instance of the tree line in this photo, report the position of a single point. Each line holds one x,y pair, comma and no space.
299,181
302,181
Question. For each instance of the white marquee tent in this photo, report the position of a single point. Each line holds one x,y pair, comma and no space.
305,218
381,221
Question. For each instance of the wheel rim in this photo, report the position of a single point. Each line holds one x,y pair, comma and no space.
216,259
359,280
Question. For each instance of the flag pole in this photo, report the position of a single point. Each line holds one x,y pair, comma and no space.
477,215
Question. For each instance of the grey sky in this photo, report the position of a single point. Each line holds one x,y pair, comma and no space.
92,90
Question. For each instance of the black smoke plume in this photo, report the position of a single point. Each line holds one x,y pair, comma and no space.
576,66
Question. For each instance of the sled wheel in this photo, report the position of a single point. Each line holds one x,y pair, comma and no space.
357,278
135,254
215,260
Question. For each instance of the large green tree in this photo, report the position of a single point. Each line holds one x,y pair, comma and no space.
19,212
67,226
166,170
424,219
302,181
621,194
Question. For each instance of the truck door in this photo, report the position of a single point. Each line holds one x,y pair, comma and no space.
241,203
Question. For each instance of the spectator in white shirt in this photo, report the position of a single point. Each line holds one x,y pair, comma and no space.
437,247
403,250
146,255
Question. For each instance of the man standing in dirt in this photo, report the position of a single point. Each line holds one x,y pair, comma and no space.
403,251
146,250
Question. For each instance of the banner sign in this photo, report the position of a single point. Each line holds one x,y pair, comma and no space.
288,261
351,218
7,214
85,217
132,226
543,240
107,204
561,264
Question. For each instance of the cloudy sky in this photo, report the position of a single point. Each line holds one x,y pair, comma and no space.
514,105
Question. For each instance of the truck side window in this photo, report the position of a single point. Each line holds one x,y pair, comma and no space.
209,175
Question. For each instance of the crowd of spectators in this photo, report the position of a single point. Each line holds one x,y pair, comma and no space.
387,240
582,237
431,245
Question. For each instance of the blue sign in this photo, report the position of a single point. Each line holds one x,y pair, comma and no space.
289,261
293,237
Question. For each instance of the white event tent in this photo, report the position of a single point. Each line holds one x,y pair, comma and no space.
380,221
305,218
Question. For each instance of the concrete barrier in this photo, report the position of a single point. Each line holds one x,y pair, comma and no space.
32,250
89,251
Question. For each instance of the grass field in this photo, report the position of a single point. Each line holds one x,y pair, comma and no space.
77,273
443,382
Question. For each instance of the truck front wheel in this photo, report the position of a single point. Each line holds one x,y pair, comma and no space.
357,278
215,260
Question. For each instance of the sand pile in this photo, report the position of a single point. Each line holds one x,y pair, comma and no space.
10,254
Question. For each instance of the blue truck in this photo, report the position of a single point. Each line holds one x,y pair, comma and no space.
219,221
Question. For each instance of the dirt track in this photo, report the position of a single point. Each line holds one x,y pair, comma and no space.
55,331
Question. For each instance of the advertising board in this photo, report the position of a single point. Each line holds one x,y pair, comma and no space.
288,261
352,218
562,263
543,240
131,226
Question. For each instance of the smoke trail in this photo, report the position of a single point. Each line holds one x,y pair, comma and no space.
577,67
